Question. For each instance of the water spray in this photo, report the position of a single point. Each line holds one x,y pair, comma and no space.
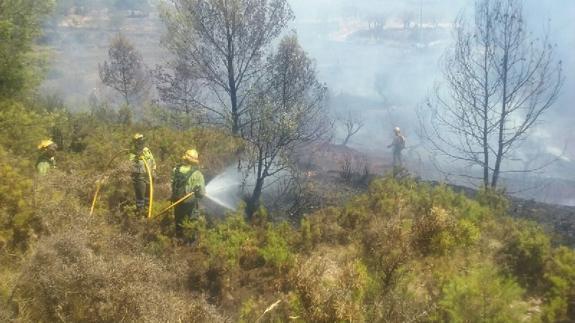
219,190
224,189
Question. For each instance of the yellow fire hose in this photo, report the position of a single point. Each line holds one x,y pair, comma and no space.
150,177
175,204
99,181
98,186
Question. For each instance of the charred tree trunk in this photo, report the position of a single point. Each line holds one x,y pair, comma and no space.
254,200
503,118
347,138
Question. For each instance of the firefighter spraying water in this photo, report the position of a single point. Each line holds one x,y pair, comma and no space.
187,184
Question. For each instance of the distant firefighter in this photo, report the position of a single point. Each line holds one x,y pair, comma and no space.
397,146
187,179
46,160
142,162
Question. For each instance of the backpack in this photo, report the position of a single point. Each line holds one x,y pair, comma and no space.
180,182
401,142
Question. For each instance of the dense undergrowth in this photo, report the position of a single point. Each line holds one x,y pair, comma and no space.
401,252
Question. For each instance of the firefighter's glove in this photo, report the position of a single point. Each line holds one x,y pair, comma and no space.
198,192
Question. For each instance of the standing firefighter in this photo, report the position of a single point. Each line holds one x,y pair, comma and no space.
46,160
141,156
186,179
397,146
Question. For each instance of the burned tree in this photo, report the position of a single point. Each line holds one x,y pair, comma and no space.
225,42
125,72
286,112
352,124
179,90
499,82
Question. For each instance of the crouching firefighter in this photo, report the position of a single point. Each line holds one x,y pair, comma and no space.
46,160
142,163
187,180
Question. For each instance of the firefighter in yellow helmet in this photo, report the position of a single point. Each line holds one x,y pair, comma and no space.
46,160
140,156
187,178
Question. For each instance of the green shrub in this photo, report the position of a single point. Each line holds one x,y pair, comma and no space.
494,199
275,249
439,232
526,250
225,242
21,129
482,295
17,196
560,278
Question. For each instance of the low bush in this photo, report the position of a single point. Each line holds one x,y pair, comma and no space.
69,279
560,280
482,295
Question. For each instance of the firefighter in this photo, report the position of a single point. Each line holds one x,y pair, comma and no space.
186,179
397,146
46,160
140,157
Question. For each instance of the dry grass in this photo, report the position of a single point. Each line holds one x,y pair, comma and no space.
79,276
87,269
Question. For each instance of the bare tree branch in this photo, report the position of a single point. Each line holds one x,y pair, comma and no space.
499,82
286,111
225,41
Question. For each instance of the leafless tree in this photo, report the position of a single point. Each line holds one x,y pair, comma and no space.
500,80
353,123
125,72
179,90
225,42
287,111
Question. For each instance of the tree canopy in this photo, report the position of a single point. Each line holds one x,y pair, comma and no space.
20,25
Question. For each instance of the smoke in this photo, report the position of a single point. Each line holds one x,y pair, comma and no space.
382,74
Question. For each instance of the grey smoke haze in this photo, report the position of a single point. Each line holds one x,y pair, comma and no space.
406,70
382,78
352,67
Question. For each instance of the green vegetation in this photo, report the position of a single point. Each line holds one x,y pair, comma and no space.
20,25
403,251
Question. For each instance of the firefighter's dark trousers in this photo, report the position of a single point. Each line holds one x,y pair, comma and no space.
142,191
182,212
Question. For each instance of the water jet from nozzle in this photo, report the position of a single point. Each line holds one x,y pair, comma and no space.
225,188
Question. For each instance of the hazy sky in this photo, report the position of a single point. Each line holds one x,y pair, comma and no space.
358,71
382,79
353,67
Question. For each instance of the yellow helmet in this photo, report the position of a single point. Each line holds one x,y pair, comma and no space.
138,136
44,144
191,156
